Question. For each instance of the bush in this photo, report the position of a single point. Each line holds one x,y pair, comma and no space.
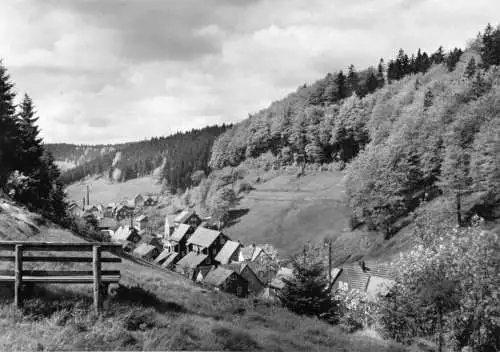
245,187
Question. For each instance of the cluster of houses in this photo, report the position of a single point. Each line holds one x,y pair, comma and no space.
194,247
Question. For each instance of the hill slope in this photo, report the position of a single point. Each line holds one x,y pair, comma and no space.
154,311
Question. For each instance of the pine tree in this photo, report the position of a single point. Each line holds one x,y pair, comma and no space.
455,180
31,148
308,292
8,129
342,88
371,84
470,69
380,74
352,80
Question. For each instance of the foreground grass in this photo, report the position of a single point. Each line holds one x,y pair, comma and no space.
137,319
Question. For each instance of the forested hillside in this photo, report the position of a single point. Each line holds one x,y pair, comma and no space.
179,155
73,155
424,125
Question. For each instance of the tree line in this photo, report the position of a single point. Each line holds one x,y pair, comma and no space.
179,155
27,171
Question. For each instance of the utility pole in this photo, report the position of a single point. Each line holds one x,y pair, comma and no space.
330,261
88,195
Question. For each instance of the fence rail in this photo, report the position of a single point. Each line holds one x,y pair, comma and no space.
98,277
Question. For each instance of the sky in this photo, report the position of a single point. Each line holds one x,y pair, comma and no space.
109,71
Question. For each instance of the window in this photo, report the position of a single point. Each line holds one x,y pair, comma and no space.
239,291
343,285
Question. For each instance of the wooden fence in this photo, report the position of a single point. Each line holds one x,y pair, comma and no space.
98,277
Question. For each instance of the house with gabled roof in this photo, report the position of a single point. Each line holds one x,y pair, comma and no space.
138,201
146,251
229,253
109,210
178,240
171,260
255,285
190,264
252,253
73,209
277,283
141,222
227,280
150,201
371,278
188,217
207,241
124,211
126,234
107,224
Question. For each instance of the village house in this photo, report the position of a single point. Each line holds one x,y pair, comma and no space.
126,234
109,210
141,222
74,209
372,278
188,217
255,286
203,272
150,201
178,240
123,211
146,251
190,264
252,253
206,241
277,283
229,253
171,260
228,281
138,201
96,210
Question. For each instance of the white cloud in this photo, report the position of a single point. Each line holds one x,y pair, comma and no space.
105,71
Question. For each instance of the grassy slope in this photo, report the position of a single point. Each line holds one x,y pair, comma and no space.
104,191
154,311
288,212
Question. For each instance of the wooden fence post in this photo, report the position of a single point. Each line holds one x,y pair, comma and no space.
96,251
18,272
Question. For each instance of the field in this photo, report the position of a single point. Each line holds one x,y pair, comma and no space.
104,191
155,311
290,212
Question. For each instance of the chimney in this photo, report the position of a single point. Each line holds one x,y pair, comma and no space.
362,264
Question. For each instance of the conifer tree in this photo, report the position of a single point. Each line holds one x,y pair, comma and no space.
8,128
342,88
470,69
380,73
31,148
308,292
352,80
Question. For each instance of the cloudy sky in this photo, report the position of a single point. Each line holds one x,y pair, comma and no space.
105,71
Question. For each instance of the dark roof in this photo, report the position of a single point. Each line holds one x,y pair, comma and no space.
163,256
170,259
191,260
144,249
227,251
180,232
218,276
204,237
